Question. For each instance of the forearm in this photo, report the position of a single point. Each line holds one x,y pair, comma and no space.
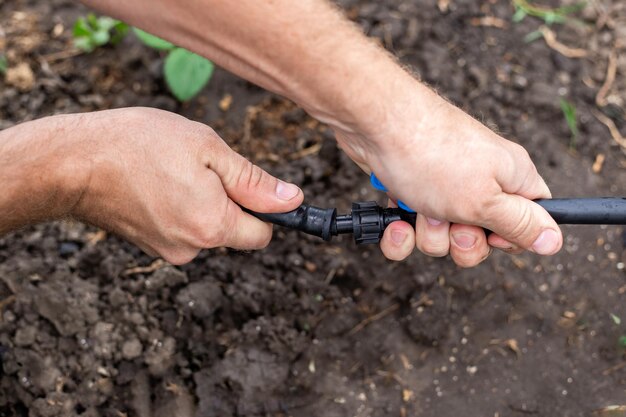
305,50
39,175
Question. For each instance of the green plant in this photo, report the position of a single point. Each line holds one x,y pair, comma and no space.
185,72
562,14
3,64
92,31
569,111
622,339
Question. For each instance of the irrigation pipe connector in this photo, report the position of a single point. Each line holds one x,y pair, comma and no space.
368,220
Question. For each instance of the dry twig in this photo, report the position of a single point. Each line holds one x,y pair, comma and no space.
610,124
251,115
10,299
598,163
158,264
613,368
374,318
611,410
311,150
489,21
62,55
611,71
443,5
552,42
96,237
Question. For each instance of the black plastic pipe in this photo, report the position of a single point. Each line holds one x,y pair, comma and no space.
368,220
607,210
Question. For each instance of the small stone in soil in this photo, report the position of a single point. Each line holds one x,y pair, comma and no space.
131,349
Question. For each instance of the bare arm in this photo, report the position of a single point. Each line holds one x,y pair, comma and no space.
304,50
39,179
167,184
455,172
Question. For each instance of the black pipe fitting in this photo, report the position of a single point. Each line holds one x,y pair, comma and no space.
368,220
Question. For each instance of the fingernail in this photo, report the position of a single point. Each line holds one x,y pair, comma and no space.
464,240
546,243
398,237
433,222
286,191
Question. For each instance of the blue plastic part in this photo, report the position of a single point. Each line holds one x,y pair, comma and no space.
377,184
405,207
381,187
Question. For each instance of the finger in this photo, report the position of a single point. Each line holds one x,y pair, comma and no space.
243,231
525,224
498,242
468,245
398,241
517,219
519,175
432,236
251,186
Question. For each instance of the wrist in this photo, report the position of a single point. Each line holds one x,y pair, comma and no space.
71,140
390,118
43,170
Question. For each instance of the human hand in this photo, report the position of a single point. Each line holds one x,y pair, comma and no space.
460,177
172,186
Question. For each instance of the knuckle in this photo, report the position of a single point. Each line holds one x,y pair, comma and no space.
203,132
264,240
253,177
524,226
148,114
249,176
468,261
211,147
481,210
461,263
180,257
394,255
210,231
485,210
432,246
523,155
213,237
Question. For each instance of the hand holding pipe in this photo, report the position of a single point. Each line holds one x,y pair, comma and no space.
368,220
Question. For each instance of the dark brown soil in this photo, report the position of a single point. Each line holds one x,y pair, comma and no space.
306,328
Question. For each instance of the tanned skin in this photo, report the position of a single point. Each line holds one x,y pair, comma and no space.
460,176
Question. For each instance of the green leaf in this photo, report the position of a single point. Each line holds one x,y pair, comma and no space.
533,36
84,44
186,73
92,21
106,23
101,37
519,15
571,8
569,111
3,64
622,341
550,18
120,30
616,319
81,28
153,41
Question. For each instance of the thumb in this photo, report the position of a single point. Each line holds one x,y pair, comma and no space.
515,217
526,224
252,187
